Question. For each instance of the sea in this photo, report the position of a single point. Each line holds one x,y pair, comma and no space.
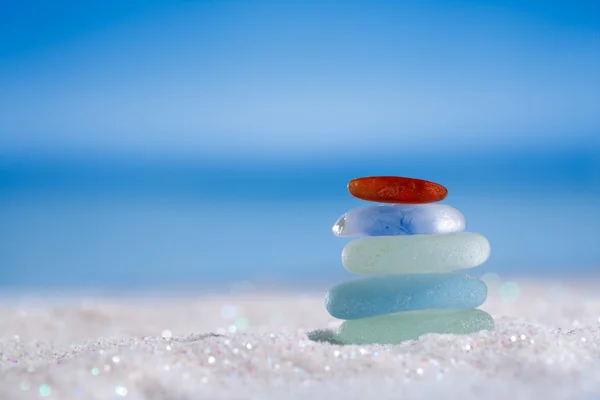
124,223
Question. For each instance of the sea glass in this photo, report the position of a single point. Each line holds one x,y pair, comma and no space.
387,255
397,220
397,328
369,297
396,189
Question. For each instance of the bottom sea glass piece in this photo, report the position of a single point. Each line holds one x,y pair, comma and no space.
397,328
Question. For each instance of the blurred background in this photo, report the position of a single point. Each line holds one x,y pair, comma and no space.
159,144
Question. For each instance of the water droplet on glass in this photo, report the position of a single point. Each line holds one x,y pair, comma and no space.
339,225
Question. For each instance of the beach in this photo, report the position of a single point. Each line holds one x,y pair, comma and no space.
254,345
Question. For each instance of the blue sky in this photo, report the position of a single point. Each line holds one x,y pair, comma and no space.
200,142
223,78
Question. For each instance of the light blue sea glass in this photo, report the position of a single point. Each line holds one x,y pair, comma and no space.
394,220
369,297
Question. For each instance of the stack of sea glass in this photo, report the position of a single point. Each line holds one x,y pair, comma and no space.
411,249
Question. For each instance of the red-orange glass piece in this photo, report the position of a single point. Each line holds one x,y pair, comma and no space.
396,189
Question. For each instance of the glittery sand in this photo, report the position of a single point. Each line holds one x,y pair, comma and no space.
254,346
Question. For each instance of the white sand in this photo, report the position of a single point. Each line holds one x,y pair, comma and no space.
546,346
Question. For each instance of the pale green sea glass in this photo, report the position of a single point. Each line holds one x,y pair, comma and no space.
387,255
397,328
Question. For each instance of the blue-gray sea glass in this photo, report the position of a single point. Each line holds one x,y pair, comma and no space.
399,219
